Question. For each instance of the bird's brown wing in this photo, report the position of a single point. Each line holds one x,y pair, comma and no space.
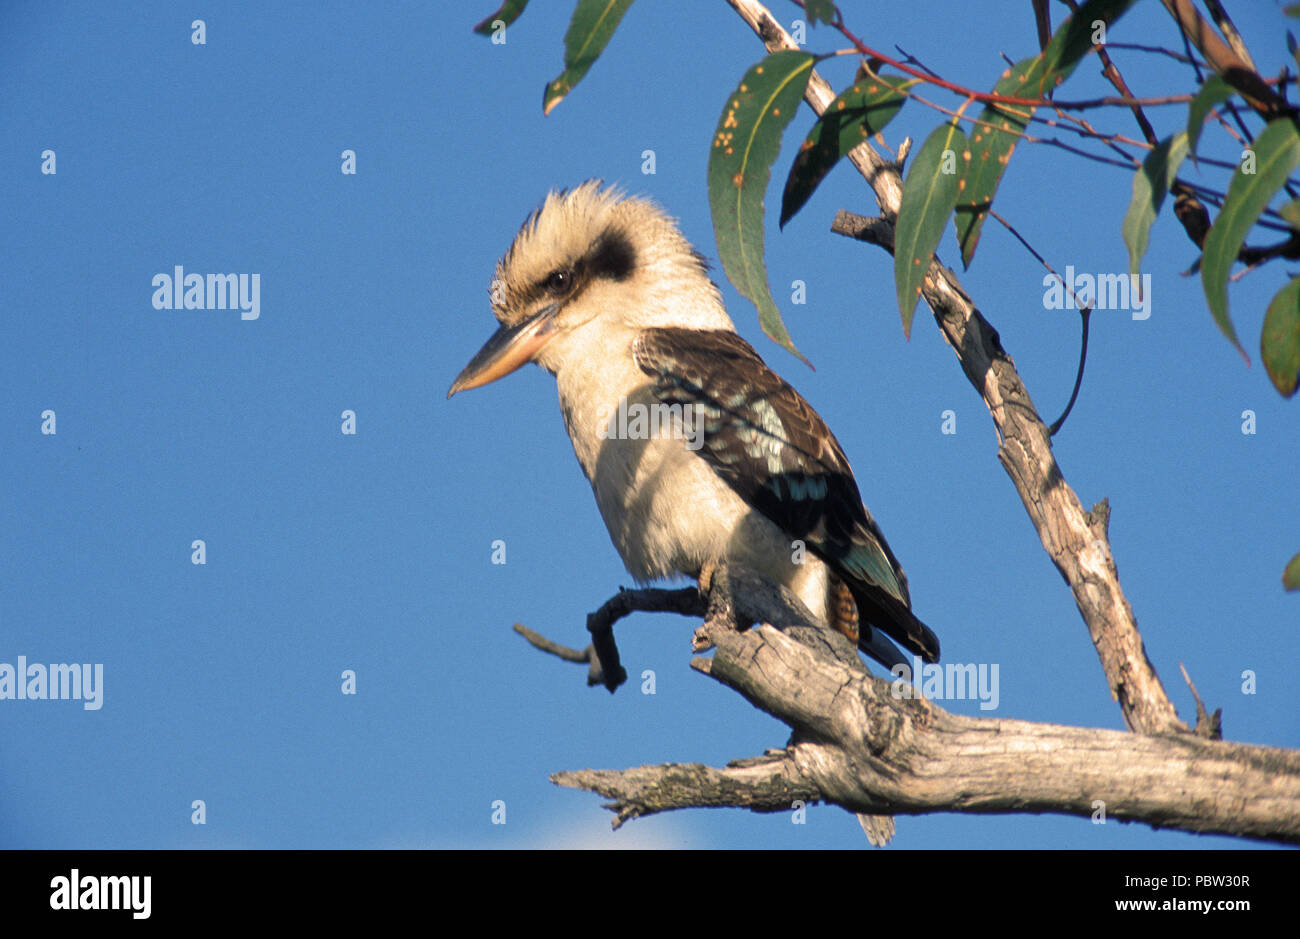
776,452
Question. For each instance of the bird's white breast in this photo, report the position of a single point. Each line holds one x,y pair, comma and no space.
666,509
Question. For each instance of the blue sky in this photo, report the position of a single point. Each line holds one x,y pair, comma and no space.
372,552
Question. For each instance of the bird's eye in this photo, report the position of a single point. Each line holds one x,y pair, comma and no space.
558,282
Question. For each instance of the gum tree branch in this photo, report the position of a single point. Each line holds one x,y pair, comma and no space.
1075,539
766,784
1237,71
871,747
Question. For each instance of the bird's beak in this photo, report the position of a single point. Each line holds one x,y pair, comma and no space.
509,348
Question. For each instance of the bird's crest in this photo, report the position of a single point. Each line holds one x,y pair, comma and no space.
598,233
556,233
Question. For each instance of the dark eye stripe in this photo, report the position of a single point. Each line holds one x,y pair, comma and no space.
613,257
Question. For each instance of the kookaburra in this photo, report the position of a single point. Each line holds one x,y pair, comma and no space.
605,293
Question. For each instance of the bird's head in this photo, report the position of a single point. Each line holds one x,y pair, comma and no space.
590,263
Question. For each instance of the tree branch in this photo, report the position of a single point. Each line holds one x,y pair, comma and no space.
1237,71
765,784
602,654
874,746
1076,540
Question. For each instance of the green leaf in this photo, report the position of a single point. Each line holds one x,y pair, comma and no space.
929,195
1073,39
1291,576
1291,213
990,151
507,13
590,29
1279,343
745,144
858,113
1277,153
1292,9
1150,184
991,146
820,10
1214,91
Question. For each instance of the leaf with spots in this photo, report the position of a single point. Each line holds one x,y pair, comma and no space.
507,13
743,148
1279,343
929,195
1276,154
1000,126
857,114
992,140
590,30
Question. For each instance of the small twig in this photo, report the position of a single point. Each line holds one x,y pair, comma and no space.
602,655
1289,249
1085,314
913,60
1209,726
1111,72
874,231
1196,64
904,149
1158,50
1038,257
554,648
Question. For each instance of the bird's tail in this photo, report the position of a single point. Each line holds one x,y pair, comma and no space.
896,620
874,643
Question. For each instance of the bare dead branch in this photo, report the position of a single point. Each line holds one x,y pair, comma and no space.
554,648
874,746
1207,724
602,654
765,785
870,749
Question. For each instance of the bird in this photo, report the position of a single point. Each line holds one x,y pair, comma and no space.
602,290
